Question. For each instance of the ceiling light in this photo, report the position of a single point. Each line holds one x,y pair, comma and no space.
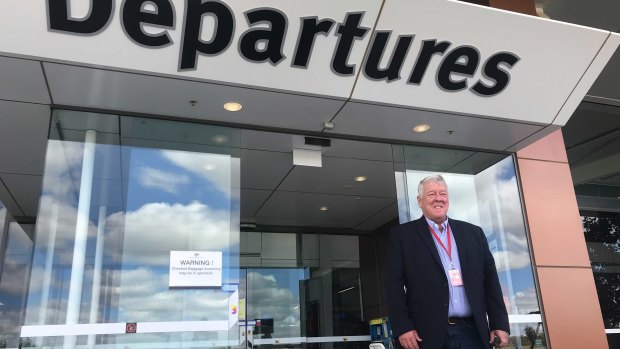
219,139
421,128
323,208
232,106
360,178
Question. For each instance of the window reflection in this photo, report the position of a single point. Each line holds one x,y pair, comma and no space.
602,234
13,281
321,297
160,186
490,198
144,203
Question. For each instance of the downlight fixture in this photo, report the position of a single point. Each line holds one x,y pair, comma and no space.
233,106
421,128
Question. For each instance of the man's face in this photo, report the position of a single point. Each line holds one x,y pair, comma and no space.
434,201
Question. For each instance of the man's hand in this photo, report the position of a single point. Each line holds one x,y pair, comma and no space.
409,340
502,335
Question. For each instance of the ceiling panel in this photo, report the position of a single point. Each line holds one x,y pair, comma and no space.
606,85
22,80
263,140
264,169
359,150
186,133
380,218
78,120
441,157
476,163
446,129
251,200
80,136
336,177
26,191
8,201
614,179
24,137
305,207
284,142
305,222
96,88
590,122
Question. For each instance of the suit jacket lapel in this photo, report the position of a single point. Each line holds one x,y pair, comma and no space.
427,237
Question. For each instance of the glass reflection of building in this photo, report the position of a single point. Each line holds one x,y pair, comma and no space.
120,193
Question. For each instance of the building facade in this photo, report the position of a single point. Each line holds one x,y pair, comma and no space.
191,174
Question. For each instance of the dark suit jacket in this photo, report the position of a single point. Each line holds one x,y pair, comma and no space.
413,261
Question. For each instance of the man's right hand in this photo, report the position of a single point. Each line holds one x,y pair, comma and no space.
409,340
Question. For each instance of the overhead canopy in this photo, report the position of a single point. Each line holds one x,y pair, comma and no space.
497,80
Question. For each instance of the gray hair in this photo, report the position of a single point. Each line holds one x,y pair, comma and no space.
436,178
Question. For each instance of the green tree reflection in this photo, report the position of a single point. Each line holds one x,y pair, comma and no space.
602,234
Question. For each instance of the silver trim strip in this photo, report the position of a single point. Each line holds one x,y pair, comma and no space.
119,328
298,340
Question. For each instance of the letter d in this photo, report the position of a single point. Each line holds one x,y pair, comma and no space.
59,19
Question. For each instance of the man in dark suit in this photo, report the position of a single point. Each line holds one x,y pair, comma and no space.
441,281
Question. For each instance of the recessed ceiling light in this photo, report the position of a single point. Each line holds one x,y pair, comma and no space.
233,106
360,178
219,139
323,208
421,128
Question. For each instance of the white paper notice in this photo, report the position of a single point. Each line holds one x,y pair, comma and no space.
195,269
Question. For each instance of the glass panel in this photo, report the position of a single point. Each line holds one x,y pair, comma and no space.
3,214
138,231
4,218
13,282
315,295
602,233
483,191
274,302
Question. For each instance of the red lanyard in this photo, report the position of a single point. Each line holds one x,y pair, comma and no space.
449,249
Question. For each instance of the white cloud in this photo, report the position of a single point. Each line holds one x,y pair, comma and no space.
62,169
267,300
524,302
145,296
149,233
166,181
59,215
506,260
216,168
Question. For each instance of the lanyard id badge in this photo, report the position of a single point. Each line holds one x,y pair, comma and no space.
455,274
455,277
